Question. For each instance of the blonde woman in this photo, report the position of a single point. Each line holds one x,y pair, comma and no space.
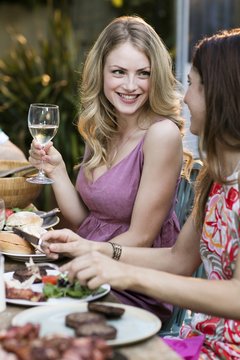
130,120
212,233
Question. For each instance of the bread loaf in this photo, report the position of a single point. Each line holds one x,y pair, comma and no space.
12,243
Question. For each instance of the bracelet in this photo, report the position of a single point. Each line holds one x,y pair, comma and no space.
117,250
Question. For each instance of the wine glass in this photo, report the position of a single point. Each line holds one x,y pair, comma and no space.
43,122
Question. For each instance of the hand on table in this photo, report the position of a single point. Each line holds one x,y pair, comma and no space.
94,269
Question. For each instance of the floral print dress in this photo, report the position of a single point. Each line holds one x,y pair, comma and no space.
219,249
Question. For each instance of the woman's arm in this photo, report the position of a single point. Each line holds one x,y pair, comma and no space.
183,258
69,201
163,158
199,295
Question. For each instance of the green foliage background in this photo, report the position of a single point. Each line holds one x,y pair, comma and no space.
46,74
50,73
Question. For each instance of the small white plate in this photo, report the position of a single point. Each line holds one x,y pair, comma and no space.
54,301
135,324
49,222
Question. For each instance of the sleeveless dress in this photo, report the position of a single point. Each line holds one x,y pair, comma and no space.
110,200
219,247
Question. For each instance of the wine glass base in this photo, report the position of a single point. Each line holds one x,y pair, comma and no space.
39,180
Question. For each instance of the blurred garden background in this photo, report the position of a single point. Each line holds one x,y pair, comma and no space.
43,44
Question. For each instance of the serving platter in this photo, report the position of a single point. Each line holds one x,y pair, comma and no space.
135,325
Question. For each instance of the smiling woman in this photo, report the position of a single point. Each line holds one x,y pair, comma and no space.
130,120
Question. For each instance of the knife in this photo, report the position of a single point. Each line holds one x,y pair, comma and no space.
33,240
46,214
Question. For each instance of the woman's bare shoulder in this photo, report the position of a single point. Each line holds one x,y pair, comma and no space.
163,129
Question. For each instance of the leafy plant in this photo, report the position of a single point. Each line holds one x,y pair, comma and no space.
46,74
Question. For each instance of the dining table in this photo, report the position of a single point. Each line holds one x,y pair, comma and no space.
152,348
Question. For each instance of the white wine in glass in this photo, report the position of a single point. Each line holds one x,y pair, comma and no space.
43,123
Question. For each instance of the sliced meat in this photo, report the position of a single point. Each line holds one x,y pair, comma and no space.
88,348
78,318
50,348
110,312
24,343
25,273
24,294
100,329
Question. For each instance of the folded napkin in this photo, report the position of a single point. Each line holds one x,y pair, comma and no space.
188,349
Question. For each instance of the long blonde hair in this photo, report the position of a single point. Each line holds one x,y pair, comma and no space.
97,122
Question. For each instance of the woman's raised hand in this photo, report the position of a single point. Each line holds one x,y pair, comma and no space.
65,242
52,159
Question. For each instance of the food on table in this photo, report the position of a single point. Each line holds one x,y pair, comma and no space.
77,319
12,243
24,294
22,218
25,342
50,279
99,329
61,287
19,287
54,286
8,212
90,324
110,312
26,272
34,230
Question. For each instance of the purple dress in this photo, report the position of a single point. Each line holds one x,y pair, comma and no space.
110,200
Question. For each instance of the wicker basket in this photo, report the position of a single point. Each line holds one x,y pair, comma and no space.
16,191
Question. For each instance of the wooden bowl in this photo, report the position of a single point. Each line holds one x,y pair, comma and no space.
16,191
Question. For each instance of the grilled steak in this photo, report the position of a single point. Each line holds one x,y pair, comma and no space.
100,329
77,319
25,273
110,312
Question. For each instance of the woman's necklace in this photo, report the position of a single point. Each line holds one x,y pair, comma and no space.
119,148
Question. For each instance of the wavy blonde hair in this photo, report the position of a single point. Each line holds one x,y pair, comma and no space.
97,122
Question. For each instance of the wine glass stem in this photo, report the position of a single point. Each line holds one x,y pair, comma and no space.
41,172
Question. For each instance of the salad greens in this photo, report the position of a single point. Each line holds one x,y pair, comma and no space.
64,288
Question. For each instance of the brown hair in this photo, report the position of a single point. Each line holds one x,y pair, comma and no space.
217,60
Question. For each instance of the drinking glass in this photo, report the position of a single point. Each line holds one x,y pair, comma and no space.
2,214
43,123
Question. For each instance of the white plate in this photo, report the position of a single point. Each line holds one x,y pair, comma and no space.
53,301
135,325
49,221
37,258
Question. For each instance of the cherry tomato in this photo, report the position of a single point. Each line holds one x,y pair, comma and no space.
8,212
50,279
